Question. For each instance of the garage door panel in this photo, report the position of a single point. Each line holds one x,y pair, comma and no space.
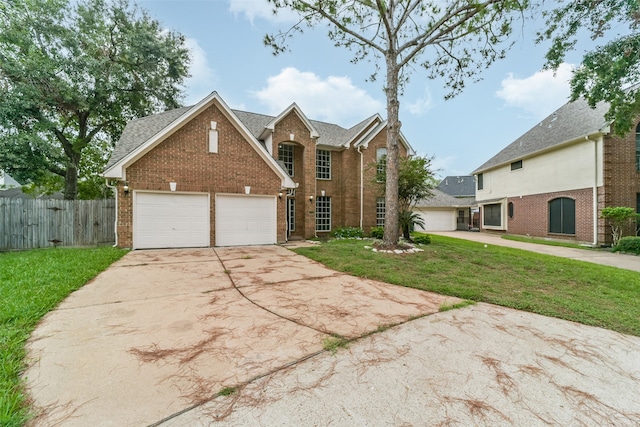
245,220
170,220
437,220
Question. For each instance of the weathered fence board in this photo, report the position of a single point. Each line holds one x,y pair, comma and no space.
36,223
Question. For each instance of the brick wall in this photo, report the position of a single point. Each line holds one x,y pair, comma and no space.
531,215
621,179
184,158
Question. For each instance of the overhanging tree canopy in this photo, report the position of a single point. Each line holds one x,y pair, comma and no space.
72,74
464,37
610,72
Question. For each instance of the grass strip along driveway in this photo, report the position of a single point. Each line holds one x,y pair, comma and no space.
567,289
31,284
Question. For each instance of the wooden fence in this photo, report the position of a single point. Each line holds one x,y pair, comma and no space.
36,223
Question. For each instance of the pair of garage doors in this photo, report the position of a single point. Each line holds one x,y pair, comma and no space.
182,220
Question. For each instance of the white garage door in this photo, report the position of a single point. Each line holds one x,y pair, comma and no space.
170,220
245,220
438,220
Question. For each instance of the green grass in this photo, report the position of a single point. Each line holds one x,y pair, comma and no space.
547,242
332,344
32,283
587,293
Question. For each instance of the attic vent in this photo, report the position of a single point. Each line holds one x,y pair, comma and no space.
213,138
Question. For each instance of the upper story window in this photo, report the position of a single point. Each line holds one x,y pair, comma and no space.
285,155
381,160
323,164
516,165
480,181
638,147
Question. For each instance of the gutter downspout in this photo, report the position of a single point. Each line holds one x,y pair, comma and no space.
115,225
595,190
361,185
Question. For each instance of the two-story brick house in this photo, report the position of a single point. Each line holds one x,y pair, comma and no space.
554,180
208,175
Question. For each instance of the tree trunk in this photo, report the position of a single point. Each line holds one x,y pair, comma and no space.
71,177
391,228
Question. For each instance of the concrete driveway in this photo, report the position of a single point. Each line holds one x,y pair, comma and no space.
162,331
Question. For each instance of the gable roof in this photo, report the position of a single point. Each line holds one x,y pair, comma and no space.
571,122
442,200
142,135
458,186
7,181
369,137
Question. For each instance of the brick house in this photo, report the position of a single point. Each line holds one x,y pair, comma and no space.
554,180
208,175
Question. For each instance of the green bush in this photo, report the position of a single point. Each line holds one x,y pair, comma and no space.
377,232
348,233
421,239
630,244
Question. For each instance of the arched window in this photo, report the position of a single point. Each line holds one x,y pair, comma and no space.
562,216
638,147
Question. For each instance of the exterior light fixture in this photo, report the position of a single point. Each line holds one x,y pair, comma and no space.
280,195
310,198
126,187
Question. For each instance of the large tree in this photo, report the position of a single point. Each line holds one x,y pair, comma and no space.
72,73
464,37
610,72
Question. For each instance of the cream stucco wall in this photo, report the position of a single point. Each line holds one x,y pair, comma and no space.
571,167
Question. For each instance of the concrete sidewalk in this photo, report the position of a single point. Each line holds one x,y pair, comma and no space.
612,259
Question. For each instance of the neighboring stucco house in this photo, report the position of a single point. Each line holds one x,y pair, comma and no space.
555,179
208,175
444,212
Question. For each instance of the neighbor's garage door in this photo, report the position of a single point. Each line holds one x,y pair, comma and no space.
245,220
170,220
438,220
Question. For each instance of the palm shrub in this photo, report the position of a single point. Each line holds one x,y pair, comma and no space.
408,220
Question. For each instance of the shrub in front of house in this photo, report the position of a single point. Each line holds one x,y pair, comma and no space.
421,239
630,244
348,233
377,232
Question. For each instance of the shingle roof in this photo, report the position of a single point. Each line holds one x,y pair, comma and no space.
458,186
138,131
443,200
571,121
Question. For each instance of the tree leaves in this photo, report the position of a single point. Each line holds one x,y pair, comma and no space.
75,73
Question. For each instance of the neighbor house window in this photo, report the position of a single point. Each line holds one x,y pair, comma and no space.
380,211
381,160
493,215
285,155
638,147
510,209
562,216
516,165
323,213
323,164
480,181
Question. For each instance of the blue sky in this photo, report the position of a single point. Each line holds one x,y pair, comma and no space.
225,38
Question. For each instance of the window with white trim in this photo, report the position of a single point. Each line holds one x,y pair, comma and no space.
323,164
381,160
638,147
291,214
323,213
380,211
285,155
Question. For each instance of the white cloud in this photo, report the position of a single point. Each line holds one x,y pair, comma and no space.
442,166
262,9
334,99
539,94
203,79
421,105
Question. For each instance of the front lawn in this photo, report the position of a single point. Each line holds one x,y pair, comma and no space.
32,283
579,291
